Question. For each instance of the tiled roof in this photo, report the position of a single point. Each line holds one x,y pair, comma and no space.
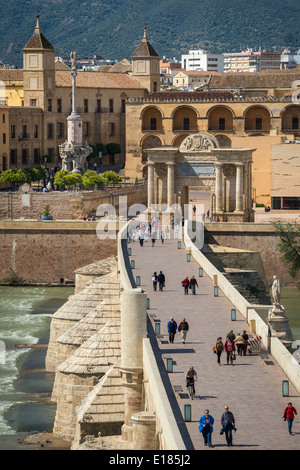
11,75
97,80
38,40
59,65
265,79
145,49
190,95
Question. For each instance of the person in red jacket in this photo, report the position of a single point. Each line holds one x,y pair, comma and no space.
289,415
186,283
230,350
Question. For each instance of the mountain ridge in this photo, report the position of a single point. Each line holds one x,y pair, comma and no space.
114,28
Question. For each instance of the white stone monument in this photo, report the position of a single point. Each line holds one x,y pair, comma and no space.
74,151
277,319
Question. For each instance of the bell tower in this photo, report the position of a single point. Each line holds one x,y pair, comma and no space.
145,65
38,70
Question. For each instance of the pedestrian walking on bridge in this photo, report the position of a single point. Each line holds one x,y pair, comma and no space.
172,328
227,425
183,328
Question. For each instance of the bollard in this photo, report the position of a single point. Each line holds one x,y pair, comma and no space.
178,245
132,264
138,280
200,272
187,413
157,328
148,303
233,314
169,364
188,257
285,388
129,251
216,291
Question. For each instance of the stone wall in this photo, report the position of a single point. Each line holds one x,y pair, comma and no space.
50,252
68,205
253,237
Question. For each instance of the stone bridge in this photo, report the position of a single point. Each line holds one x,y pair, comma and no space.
113,388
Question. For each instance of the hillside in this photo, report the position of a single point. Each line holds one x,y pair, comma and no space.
113,28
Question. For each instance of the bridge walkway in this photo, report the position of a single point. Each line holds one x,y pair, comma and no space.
252,387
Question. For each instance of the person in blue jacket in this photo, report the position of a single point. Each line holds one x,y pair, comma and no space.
172,328
206,427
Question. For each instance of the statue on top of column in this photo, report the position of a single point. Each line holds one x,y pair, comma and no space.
276,290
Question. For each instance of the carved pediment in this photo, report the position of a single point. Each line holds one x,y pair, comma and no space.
198,143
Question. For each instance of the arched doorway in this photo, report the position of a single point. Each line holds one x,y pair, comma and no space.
152,119
290,119
220,118
185,119
258,118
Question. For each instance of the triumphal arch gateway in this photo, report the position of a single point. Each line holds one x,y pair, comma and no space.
200,163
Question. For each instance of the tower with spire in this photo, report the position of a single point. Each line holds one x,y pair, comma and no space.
38,70
145,65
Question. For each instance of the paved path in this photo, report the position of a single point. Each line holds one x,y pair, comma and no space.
251,388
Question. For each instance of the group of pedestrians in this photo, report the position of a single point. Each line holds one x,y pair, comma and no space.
227,422
182,328
159,279
232,344
189,284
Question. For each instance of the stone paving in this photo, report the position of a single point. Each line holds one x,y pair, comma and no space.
250,387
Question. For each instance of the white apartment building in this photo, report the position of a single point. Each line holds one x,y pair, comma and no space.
202,60
251,61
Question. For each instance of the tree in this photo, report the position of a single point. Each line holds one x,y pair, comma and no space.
289,245
111,177
13,176
99,147
92,179
64,178
113,148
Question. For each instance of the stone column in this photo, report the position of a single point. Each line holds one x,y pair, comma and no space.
150,184
144,430
171,183
133,331
239,187
219,191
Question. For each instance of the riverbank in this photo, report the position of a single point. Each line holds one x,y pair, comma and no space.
26,412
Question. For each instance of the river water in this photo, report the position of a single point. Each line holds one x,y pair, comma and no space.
25,386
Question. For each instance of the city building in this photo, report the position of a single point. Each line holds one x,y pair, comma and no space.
191,79
251,61
39,101
202,59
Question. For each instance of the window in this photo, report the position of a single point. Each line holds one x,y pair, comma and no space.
112,128
4,138
49,105
3,118
98,106
59,106
50,152
295,122
33,102
36,156
186,124
24,156
258,123
24,131
50,131
111,106
86,129
86,106
221,124
60,130
154,86
153,124
36,131
13,156
123,108
13,131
